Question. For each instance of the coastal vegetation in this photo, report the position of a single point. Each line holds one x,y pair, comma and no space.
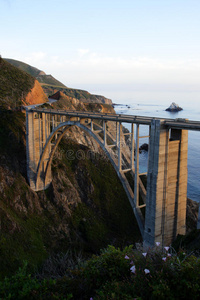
113,274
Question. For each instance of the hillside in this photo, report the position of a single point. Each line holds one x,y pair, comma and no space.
24,67
18,88
82,211
43,79
51,85
49,80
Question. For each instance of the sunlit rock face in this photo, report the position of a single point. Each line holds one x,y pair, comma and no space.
174,107
36,95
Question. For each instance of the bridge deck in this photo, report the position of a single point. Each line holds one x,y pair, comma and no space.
143,120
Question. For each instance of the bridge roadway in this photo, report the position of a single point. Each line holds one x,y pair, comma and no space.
178,123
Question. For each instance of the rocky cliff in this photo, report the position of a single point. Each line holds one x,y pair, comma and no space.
18,88
36,95
80,95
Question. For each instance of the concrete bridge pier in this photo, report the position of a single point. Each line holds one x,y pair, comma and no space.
165,215
38,127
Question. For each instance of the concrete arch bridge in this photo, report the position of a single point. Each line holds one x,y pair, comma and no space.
163,198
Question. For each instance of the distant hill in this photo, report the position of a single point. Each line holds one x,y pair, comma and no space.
18,87
24,67
43,79
49,80
51,85
82,95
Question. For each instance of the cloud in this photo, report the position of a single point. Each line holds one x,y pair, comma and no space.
82,52
104,69
89,68
36,58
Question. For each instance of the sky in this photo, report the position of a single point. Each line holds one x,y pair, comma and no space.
144,50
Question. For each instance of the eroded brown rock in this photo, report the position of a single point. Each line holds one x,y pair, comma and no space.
36,95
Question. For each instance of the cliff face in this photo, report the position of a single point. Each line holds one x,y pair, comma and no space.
97,99
36,95
191,215
79,95
18,88
103,99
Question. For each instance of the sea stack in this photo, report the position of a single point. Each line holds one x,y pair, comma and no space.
174,107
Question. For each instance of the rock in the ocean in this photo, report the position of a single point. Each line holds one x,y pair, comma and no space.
174,107
144,147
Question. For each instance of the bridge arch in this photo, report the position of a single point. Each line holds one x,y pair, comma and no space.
42,176
61,131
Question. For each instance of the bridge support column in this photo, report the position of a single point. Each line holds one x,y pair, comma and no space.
136,180
119,146
132,147
30,149
165,215
104,133
37,131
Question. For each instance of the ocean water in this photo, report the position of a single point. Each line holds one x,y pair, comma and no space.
190,111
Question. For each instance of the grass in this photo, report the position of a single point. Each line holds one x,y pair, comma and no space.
24,67
49,80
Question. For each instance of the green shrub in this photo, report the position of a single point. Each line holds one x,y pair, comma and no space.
115,274
24,286
156,274
108,266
